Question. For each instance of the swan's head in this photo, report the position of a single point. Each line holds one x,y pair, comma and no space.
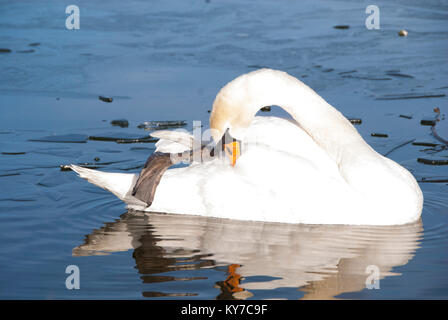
232,114
238,101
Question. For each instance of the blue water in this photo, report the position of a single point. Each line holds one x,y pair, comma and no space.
166,60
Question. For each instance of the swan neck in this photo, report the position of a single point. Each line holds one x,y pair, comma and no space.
324,123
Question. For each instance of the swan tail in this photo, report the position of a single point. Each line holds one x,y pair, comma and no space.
120,184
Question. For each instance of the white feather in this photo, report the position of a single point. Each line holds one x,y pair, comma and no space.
120,184
316,169
173,141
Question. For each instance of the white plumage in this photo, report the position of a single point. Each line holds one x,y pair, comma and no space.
316,169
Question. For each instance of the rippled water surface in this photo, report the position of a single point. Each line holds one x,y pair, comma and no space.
163,60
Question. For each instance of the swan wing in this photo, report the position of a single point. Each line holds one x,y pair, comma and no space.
173,141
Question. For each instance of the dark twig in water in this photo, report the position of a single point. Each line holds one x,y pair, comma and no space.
409,96
425,180
355,120
10,174
143,140
400,75
341,27
379,135
427,122
158,125
120,123
398,147
123,138
433,162
266,109
425,144
106,99
14,153
347,72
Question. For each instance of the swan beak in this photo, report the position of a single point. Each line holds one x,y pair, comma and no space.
233,151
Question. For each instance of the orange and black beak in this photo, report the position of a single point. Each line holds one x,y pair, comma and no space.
233,151
231,147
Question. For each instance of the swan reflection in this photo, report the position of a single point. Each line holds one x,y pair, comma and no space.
322,261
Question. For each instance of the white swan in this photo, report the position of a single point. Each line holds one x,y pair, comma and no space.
316,169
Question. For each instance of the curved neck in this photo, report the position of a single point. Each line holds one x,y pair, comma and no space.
326,125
